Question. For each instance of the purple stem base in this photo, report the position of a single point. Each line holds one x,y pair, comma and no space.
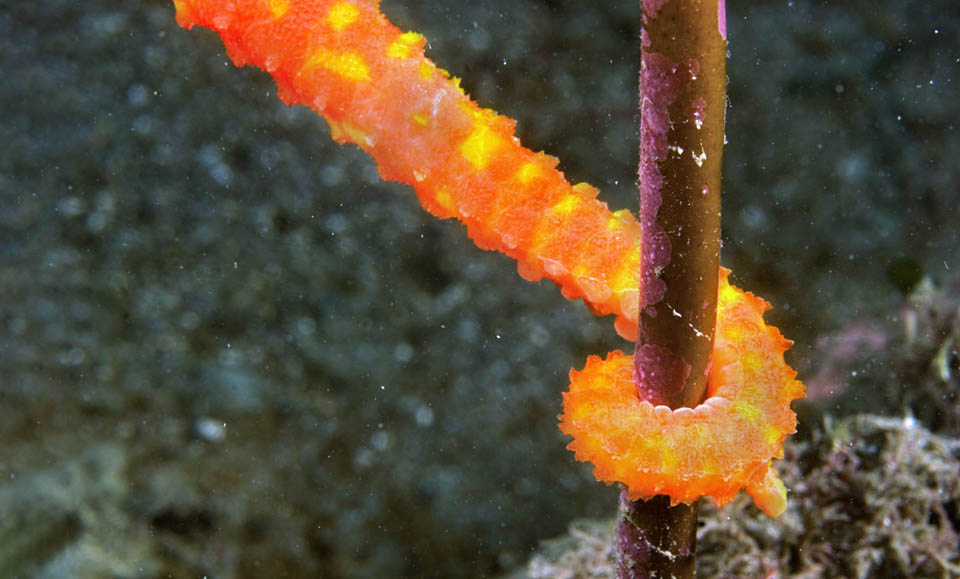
655,539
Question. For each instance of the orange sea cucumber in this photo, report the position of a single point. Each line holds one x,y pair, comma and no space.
376,89
715,449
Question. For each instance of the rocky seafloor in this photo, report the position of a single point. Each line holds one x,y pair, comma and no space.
227,349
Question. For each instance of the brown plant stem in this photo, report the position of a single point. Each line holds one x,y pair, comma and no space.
683,106
654,539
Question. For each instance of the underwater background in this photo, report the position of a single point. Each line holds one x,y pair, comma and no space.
228,349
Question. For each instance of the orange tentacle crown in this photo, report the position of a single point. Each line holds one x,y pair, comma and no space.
377,90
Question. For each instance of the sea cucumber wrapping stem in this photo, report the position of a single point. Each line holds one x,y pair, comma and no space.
376,89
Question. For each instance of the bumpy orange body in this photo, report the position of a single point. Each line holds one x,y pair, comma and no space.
377,90
715,449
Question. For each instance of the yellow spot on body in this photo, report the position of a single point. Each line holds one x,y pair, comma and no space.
728,295
444,200
746,410
426,71
670,461
622,282
403,46
528,172
342,14
349,65
617,220
420,119
411,38
477,114
771,434
399,51
567,205
581,270
625,279
480,147
279,8
342,131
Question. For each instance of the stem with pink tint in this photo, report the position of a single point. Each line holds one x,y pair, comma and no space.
683,105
